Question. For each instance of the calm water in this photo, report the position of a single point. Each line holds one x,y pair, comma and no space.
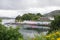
29,32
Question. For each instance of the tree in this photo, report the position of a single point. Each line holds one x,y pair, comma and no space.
9,33
29,16
0,21
38,14
35,18
18,18
26,17
55,24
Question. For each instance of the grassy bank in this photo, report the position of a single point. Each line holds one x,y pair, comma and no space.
52,36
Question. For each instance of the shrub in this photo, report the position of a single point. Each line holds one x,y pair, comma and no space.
55,35
55,24
9,33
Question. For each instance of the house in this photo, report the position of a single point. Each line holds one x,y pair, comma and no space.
46,18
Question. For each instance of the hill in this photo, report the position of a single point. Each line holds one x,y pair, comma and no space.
53,13
6,18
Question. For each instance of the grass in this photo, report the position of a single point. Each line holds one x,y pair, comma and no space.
52,36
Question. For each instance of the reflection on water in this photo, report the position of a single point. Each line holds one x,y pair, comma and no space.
29,33
30,30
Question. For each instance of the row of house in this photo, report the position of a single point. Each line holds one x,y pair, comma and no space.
46,18
12,20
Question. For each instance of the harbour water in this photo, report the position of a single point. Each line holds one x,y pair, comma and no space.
29,32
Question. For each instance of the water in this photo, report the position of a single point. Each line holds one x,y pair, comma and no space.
29,32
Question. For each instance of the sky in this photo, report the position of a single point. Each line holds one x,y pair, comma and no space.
12,8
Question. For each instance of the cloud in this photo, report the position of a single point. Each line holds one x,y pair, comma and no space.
8,13
25,4
14,13
40,10
12,8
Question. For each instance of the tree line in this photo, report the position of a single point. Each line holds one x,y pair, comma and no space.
28,16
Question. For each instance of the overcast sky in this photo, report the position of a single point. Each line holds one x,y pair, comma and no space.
12,8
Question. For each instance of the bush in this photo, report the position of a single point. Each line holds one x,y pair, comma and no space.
52,36
55,24
9,33
38,37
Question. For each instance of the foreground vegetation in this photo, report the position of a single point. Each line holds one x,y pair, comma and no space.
52,36
9,33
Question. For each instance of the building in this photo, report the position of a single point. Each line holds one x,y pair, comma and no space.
46,18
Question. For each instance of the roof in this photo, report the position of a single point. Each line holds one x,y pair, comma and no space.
45,18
